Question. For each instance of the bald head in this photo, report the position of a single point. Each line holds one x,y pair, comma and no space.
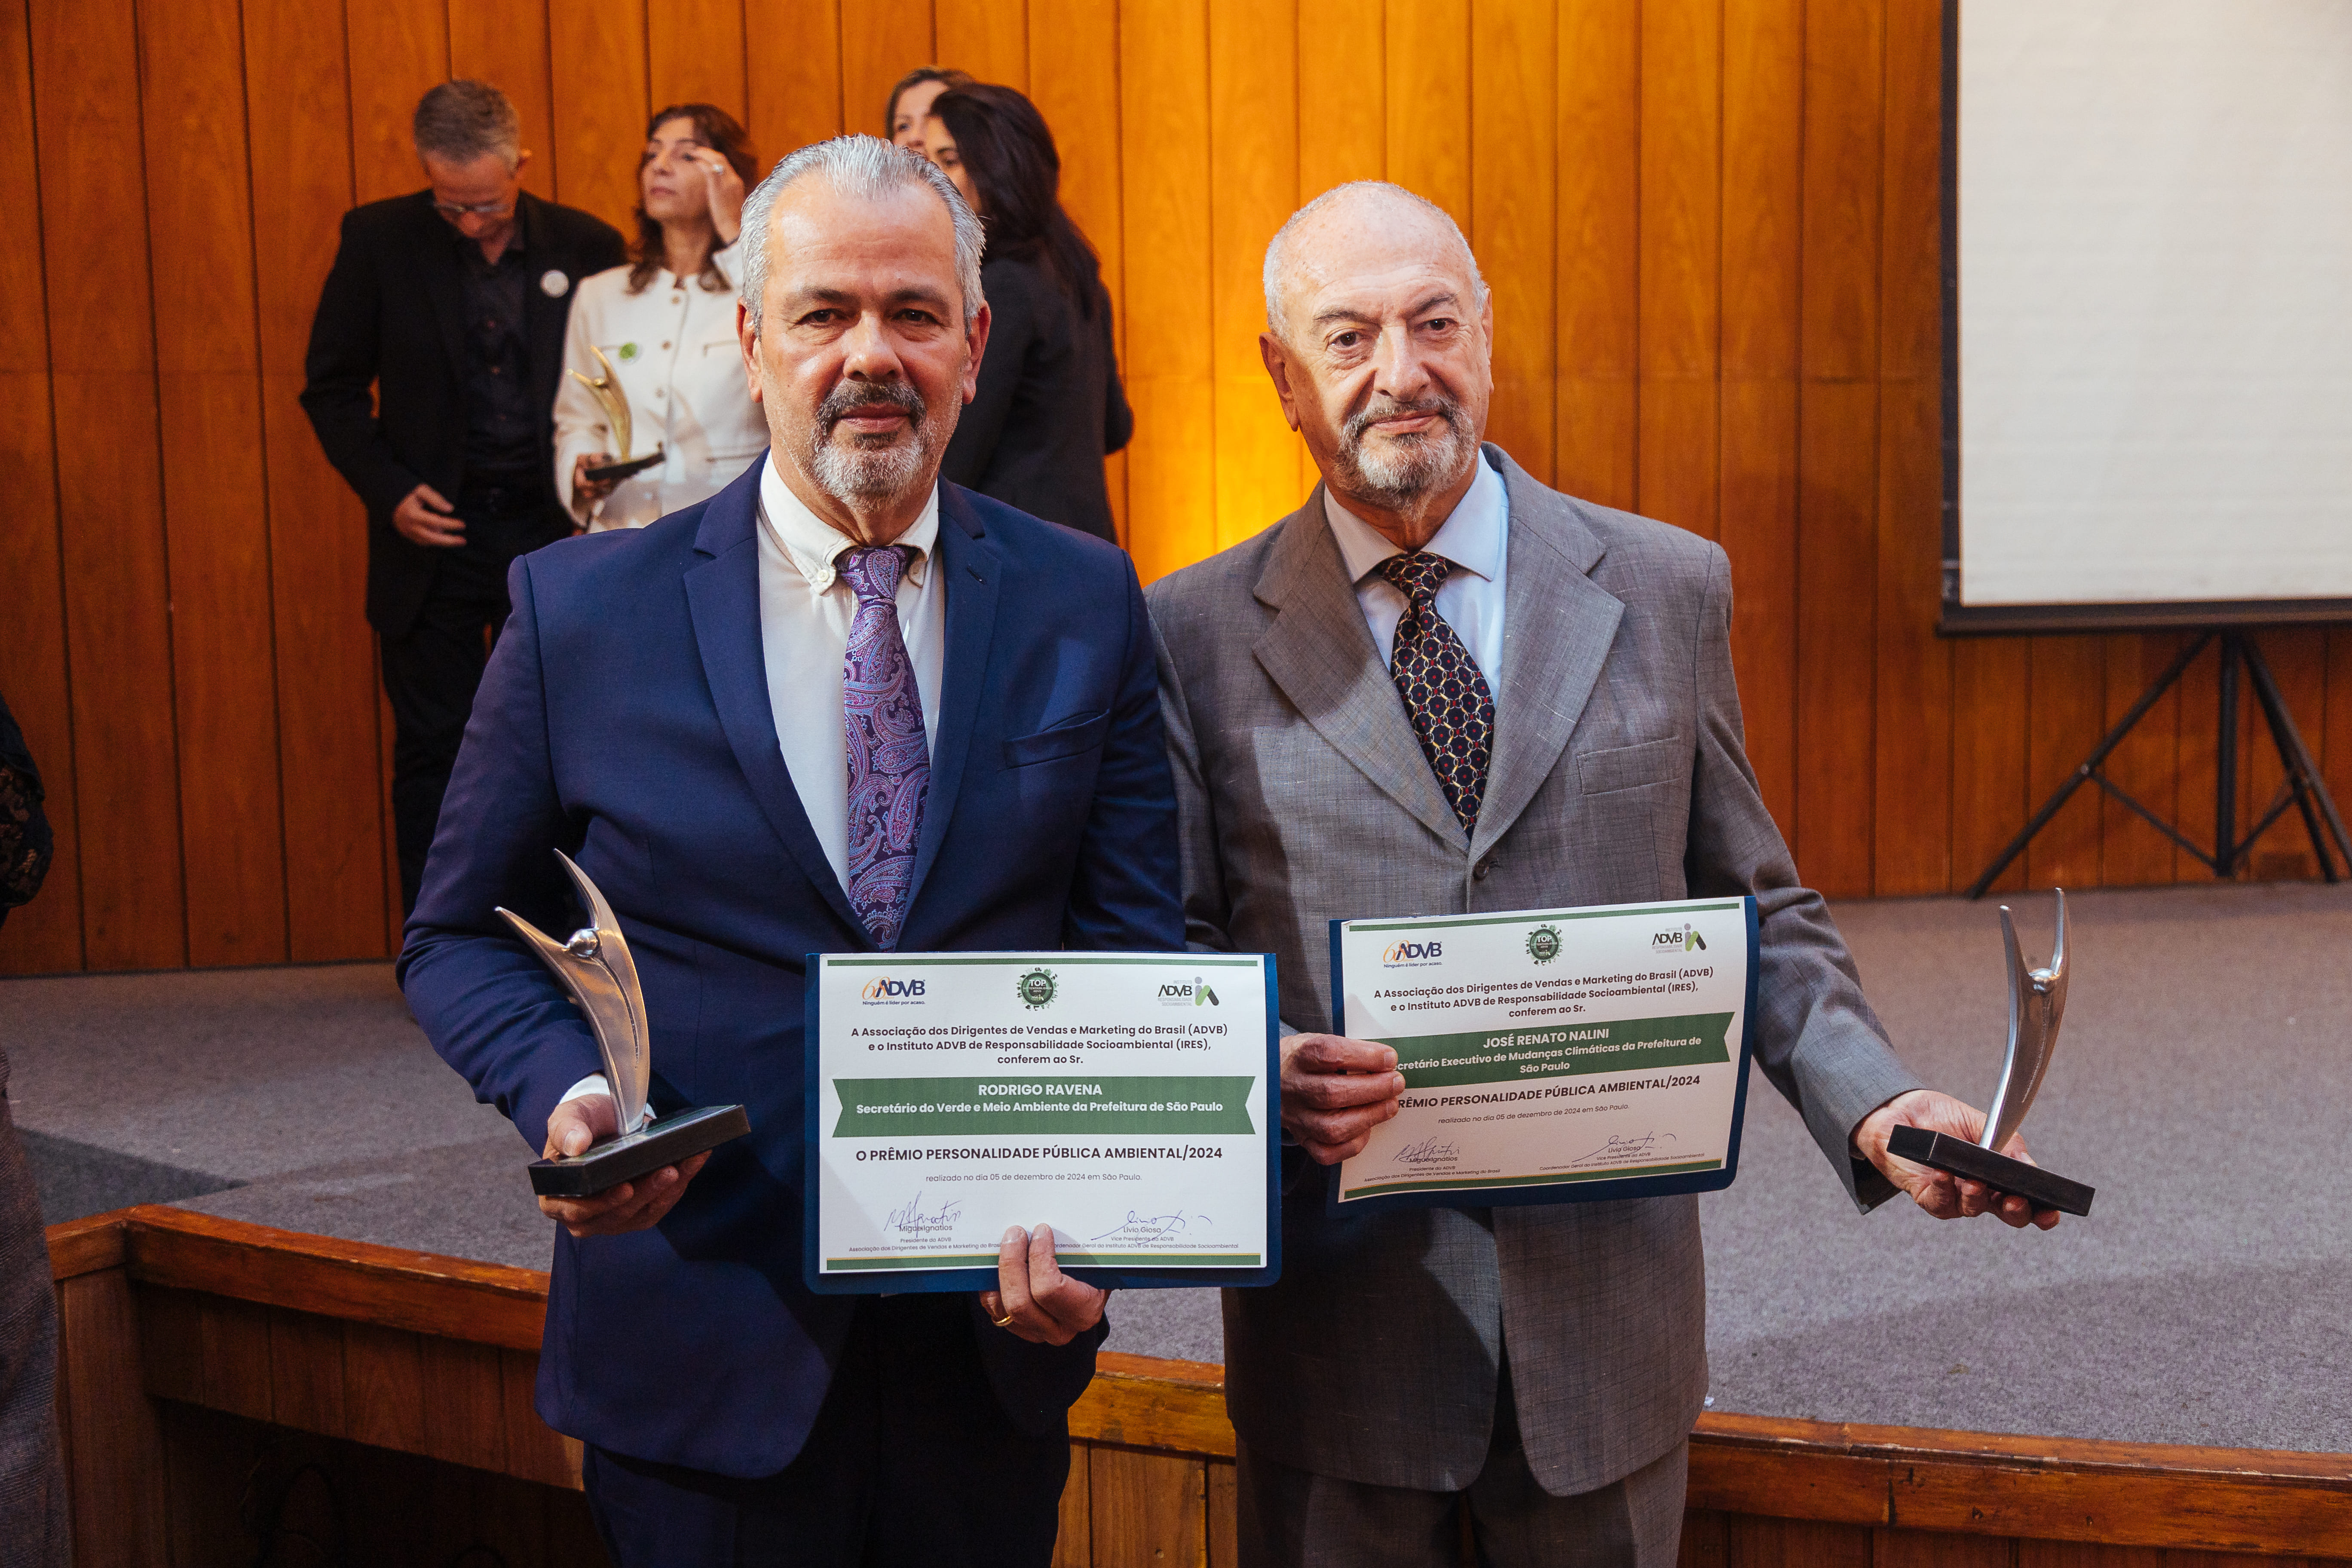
1363,226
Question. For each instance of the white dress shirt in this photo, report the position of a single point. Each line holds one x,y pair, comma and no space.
673,349
1475,537
805,614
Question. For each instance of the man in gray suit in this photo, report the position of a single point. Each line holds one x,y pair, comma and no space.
1441,687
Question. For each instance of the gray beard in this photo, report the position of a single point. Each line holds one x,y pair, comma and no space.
1402,470
871,474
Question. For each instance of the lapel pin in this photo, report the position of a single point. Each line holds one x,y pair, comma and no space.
554,284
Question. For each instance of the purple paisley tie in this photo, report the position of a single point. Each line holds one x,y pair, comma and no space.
889,756
1444,693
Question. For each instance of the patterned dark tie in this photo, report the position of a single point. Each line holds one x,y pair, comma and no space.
889,754
1444,695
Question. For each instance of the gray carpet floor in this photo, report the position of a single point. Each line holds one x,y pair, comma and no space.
2200,1086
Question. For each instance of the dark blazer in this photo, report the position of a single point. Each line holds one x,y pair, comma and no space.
392,316
624,718
1049,406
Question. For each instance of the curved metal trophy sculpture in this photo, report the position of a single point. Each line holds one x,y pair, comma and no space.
613,402
594,966
2037,1002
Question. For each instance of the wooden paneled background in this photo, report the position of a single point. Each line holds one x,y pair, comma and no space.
1711,226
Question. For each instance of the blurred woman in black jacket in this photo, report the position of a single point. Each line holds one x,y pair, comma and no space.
1049,404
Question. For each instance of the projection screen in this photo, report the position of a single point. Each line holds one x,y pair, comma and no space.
2149,285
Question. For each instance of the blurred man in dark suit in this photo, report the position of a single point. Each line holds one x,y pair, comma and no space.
450,303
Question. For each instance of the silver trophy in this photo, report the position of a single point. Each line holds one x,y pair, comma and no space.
2037,1002
595,968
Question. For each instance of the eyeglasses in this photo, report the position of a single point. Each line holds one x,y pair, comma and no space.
480,209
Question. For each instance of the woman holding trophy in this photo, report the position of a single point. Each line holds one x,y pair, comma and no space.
652,413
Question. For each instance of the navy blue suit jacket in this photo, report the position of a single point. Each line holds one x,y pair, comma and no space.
625,720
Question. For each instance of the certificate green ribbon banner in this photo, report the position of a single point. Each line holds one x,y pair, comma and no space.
1017,1104
1559,1050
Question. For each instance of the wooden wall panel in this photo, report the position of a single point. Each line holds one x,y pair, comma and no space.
1763,99
1427,104
1252,176
334,828
597,75
791,73
1171,375
1599,266
1912,806
1711,228
215,507
45,935
1680,253
109,485
505,42
399,49
1837,457
990,38
1514,215
879,44
695,54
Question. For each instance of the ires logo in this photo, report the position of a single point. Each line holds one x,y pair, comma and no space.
882,988
1196,994
1402,953
1686,940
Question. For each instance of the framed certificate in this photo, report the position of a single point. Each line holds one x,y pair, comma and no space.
1551,1055
1127,1100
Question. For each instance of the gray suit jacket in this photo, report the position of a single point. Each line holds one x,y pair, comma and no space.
1619,775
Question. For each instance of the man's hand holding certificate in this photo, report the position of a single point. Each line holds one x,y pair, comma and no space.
1539,1056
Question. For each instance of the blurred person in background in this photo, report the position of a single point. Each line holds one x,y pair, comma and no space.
432,369
666,326
910,102
32,1472
1050,405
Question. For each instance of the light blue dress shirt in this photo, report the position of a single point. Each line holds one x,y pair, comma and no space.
1476,538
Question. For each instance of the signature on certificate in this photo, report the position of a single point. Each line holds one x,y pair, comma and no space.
1428,1152
1618,1148
1138,1227
911,1219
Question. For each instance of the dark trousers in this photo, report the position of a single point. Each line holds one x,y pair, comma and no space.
911,1462
431,670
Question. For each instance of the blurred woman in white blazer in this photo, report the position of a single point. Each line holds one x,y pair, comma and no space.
665,327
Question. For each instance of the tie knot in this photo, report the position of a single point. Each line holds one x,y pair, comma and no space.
872,571
1417,574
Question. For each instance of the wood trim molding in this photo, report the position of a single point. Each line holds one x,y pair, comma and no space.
2227,1499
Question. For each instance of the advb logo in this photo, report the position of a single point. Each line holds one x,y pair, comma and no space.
883,988
1196,994
1686,940
1413,952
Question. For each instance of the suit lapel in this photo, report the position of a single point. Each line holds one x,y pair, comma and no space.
544,315
443,287
1557,626
971,572
722,594
1320,653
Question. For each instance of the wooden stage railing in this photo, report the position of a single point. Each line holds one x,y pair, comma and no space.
221,1382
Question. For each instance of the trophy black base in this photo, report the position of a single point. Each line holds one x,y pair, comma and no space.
628,466
640,1154
1956,1157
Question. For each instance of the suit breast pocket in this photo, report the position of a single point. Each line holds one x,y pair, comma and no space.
1631,767
1070,737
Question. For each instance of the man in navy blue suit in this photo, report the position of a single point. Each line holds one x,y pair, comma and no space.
838,706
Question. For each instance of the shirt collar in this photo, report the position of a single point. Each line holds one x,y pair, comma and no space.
1471,537
812,544
517,243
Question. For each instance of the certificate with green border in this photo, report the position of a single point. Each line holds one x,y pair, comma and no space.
1127,1100
1551,1055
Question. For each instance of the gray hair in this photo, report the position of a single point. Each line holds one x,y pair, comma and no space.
1278,249
867,168
458,122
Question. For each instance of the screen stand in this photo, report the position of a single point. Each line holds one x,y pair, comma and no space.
2303,789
